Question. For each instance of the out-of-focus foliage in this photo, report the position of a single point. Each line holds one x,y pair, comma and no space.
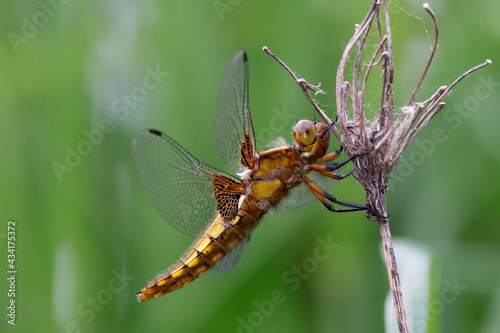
80,79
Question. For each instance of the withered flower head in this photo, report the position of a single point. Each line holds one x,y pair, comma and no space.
386,135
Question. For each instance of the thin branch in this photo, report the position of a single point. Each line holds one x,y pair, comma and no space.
431,57
305,87
433,108
341,88
387,112
395,284
454,83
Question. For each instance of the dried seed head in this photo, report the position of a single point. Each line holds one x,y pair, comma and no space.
386,135
383,137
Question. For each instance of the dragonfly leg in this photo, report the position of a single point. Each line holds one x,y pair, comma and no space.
330,156
336,153
327,128
326,170
324,197
352,207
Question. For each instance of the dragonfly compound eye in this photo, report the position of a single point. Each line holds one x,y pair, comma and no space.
304,132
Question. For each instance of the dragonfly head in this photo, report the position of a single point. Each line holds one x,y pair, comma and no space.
304,132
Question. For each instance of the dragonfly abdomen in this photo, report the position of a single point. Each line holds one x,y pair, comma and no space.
220,237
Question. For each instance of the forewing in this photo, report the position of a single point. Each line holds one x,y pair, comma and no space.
183,189
227,263
233,132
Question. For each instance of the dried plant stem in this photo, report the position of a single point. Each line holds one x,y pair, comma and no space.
382,139
373,178
411,99
392,272
378,205
435,105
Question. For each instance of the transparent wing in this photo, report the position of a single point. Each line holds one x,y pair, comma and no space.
185,191
233,132
227,263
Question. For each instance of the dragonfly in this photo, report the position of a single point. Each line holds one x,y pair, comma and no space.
217,208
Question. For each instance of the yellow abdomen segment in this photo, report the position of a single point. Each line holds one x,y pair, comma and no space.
220,237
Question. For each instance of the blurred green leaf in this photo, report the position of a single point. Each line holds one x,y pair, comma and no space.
73,95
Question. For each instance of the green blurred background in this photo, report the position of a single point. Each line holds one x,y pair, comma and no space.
88,236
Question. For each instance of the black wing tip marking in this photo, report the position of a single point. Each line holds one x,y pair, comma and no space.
245,57
155,132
